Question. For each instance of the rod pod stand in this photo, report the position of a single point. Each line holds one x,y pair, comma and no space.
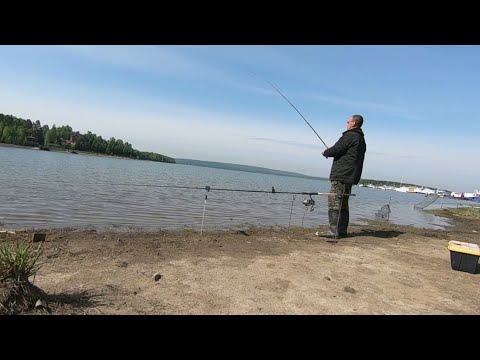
207,189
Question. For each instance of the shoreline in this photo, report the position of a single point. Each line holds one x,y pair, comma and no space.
443,214
77,152
380,268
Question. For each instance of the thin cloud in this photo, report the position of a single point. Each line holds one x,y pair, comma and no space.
152,59
287,142
410,156
366,104
163,61
393,156
252,88
377,153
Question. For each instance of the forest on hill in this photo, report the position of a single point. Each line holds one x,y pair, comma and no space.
18,131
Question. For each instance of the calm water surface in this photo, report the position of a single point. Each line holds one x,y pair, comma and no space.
40,189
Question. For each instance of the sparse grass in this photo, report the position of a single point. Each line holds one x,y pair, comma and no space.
470,212
18,261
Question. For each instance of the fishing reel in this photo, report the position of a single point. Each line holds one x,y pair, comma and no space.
309,202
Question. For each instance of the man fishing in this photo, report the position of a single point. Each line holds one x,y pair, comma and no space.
348,155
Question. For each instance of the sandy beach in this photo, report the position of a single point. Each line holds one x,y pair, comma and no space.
380,268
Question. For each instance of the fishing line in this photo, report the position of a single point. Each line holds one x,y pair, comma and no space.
209,188
268,82
309,203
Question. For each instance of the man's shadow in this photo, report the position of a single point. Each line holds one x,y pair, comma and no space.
385,234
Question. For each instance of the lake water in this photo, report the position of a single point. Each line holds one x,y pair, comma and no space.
42,190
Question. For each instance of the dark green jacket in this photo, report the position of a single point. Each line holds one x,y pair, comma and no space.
348,154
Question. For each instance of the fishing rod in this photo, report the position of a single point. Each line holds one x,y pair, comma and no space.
209,188
269,83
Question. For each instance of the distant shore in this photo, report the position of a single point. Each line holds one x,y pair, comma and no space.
16,146
77,152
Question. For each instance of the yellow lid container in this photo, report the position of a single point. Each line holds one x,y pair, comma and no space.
464,247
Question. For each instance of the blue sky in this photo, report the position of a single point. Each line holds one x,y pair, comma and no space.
212,103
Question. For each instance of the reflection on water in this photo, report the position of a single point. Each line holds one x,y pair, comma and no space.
40,189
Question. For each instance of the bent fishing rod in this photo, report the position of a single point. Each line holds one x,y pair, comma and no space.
269,83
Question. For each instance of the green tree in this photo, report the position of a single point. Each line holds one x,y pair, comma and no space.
20,136
64,132
48,137
8,135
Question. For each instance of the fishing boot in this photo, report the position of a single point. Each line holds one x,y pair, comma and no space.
343,224
332,221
